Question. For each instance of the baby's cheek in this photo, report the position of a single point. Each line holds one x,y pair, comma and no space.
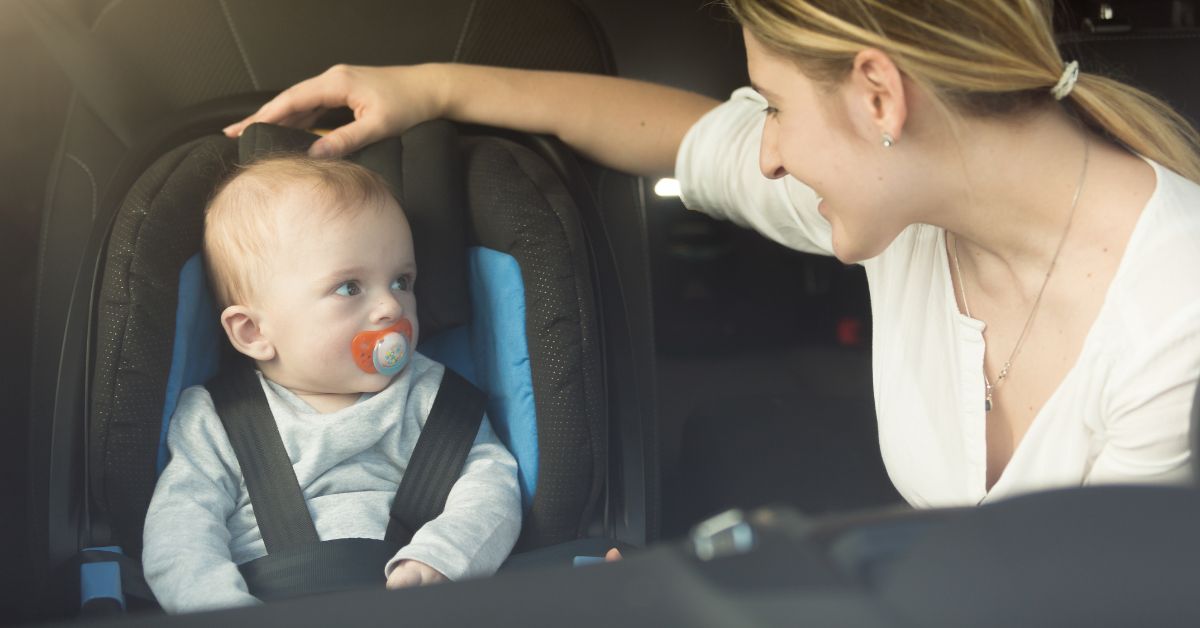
335,351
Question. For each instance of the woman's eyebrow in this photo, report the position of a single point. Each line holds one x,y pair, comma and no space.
766,93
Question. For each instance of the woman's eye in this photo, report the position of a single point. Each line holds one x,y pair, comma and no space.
771,111
400,283
348,289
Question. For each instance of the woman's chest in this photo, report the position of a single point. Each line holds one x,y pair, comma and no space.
1032,348
941,446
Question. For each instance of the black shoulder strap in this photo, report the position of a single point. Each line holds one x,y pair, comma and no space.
279,506
438,457
436,462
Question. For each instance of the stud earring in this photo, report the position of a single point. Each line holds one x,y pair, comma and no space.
888,140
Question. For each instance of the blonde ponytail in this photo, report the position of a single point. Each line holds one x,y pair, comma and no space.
979,57
1145,124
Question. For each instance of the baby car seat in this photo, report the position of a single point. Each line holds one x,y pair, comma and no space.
118,240
506,299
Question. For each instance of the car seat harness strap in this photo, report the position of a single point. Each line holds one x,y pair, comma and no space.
283,518
297,561
438,457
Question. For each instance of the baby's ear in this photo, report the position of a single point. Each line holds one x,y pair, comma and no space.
241,325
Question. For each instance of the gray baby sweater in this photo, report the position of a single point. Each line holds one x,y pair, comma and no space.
200,524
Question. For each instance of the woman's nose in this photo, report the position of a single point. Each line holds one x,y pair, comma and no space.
768,153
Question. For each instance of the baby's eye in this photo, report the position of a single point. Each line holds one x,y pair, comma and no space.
401,283
771,111
348,289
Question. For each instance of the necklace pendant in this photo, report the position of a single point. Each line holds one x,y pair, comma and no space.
987,405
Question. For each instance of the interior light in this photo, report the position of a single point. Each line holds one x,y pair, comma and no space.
667,187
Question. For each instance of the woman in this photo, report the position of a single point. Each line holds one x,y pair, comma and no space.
1029,231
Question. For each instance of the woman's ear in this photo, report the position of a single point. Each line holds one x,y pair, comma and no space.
242,327
877,92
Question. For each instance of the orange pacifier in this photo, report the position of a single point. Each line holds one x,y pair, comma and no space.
385,351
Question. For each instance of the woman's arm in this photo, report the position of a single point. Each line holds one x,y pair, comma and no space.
1146,416
627,125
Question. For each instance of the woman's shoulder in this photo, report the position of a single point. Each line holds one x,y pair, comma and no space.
1152,305
1172,215
1157,276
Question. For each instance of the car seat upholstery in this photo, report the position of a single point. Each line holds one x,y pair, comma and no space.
102,344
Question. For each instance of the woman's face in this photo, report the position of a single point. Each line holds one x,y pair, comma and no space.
830,139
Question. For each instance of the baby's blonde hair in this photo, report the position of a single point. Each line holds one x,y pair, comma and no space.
980,57
240,219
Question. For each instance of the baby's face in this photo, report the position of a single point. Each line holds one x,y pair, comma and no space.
329,279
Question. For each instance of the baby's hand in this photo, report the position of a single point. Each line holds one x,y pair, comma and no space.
413,573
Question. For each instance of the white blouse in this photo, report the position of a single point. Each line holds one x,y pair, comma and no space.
1120,415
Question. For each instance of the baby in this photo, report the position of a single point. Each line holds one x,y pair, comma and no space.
306,258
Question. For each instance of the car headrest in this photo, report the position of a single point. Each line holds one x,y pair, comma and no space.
424,169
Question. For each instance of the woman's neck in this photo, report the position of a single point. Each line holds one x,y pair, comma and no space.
1013,188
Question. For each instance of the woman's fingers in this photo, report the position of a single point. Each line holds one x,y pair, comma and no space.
385,101
324,91
305,120
346,139
613,555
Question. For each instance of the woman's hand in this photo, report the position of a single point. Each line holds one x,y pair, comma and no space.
385,101
626,125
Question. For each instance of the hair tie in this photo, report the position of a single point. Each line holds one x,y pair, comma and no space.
1066,82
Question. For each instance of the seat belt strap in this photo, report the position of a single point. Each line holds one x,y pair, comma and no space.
279,507
283,518
438,457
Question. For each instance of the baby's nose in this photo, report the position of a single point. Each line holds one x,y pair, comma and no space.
388,308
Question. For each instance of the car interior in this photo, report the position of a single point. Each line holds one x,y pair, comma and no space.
679,366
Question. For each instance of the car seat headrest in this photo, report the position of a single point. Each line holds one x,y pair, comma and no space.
424,170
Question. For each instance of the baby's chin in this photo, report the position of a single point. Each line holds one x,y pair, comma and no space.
363,382
357,384
375,383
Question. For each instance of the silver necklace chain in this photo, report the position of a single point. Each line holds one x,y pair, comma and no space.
962,285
